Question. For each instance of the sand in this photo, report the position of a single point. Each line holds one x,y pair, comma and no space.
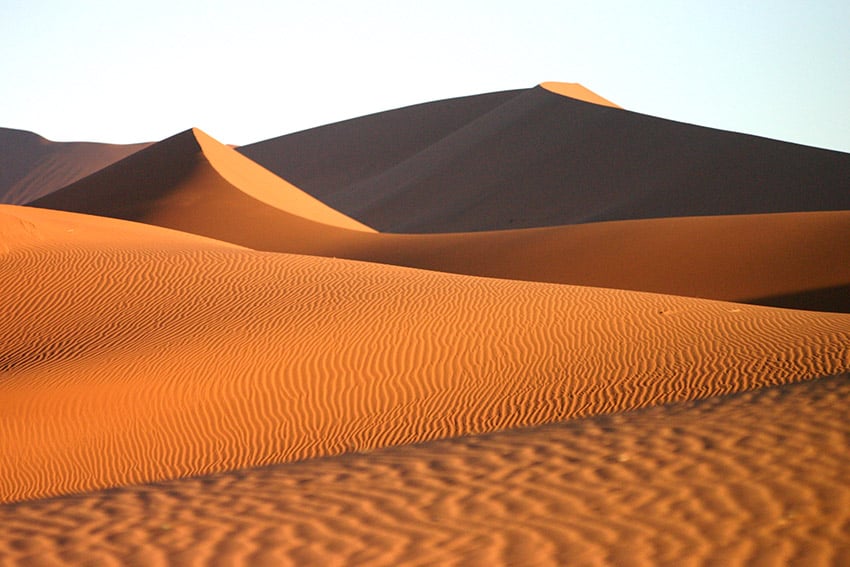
757,478
202,363
136,363
31,166
541,158
204,187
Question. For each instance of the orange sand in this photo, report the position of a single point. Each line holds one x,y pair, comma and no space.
132,363
302,397
223,195
578,92
757,478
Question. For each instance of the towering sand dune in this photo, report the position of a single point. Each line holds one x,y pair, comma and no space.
136,360
31,166
540,158
192,183
326,160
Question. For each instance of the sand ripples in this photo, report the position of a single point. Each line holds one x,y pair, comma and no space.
731,480
132,364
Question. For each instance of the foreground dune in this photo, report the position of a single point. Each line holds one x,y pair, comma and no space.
127,363
201,186
552,155
31,166
757,478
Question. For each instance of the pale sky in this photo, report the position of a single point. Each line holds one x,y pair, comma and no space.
244,71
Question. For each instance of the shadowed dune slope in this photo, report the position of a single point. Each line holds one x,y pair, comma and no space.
31,166
755,478
327,159
125,363
193,183
540,158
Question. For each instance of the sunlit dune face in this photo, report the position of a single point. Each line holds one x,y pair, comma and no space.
576,91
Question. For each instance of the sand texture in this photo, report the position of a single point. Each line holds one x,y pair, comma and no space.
137,363
31,166
521,328
756,478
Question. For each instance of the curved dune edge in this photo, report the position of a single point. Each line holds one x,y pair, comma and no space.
578,92
265,186
126,364
757,477
204,187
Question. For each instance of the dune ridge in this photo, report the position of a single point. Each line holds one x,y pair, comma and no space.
32,166
206,188
127,364
540,158
578,92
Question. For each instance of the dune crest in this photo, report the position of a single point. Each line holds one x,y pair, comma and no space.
268,188
534,158
578,92
32,166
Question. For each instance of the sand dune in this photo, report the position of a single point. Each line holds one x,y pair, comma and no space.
540,158
202,186
126,364
31,166
757,478
578,92
307,390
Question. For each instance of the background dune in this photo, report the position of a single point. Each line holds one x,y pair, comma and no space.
193,183
126,364
543,159
31,166
753,478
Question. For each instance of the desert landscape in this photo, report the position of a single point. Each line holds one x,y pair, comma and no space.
526,327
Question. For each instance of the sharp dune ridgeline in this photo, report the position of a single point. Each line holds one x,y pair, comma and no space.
525,327
539,158
203,187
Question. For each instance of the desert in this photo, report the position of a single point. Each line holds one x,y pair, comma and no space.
523,327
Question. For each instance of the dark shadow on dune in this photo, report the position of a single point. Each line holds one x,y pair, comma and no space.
834,299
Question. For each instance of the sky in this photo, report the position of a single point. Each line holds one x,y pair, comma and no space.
121,72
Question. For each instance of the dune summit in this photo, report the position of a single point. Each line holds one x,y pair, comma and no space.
202,361
537,158
204,187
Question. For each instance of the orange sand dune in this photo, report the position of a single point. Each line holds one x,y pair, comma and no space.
538,158
757,478
578,92
204,187
31,166
126,363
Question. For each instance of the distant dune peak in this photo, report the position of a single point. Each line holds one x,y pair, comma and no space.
577,91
